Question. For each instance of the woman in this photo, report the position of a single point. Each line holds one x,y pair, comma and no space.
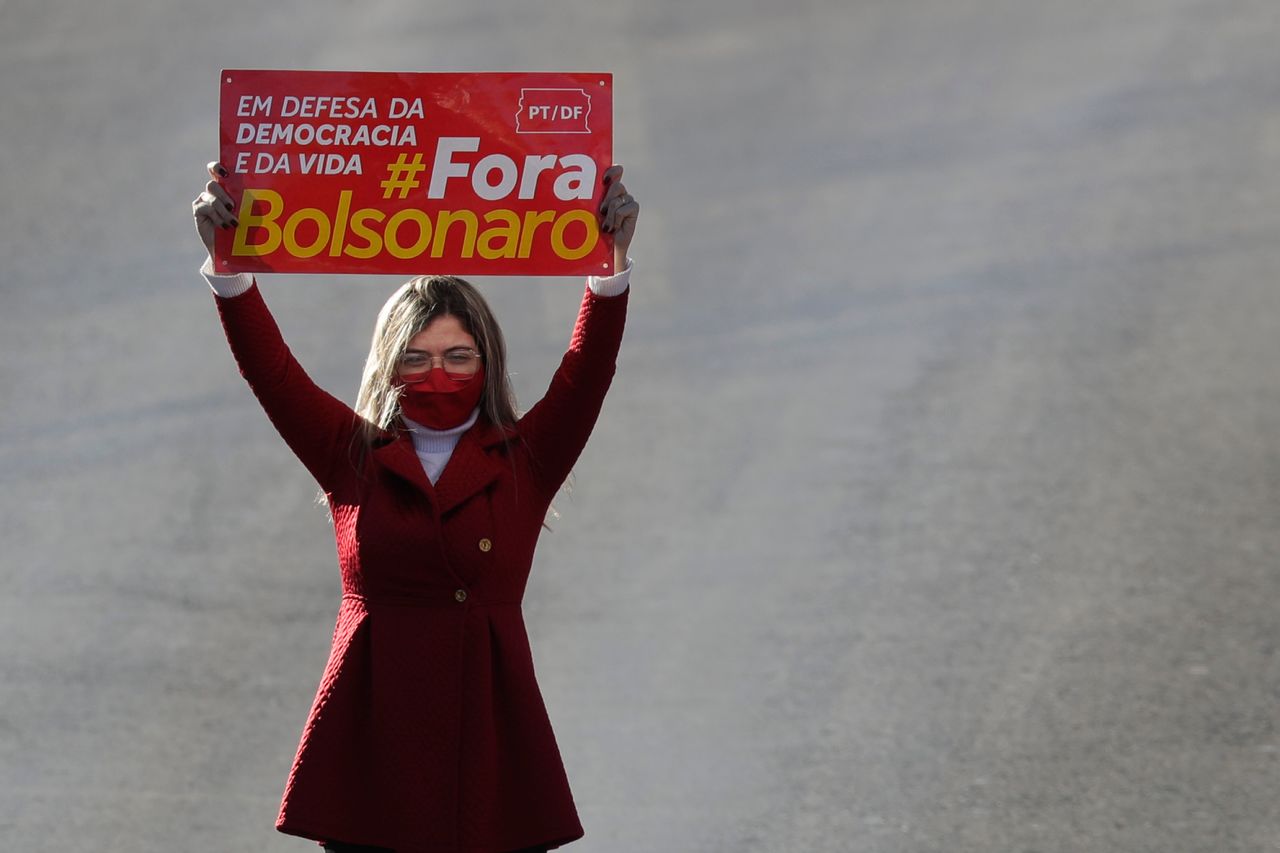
428,732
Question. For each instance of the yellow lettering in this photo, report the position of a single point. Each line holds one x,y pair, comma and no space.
291,244
340,222
392,235
557,235
444,219
241,247
532,219
367,233
372,241
509,232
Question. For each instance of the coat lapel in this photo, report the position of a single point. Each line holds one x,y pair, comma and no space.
399,457
470,468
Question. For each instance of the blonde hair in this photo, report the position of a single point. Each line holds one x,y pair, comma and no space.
411,309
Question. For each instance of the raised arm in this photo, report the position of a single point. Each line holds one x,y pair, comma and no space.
317,426
557,428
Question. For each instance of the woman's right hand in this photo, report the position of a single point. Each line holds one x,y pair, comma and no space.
213,208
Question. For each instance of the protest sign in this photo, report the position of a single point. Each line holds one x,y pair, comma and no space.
370,172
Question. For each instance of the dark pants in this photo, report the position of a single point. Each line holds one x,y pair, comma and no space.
339,847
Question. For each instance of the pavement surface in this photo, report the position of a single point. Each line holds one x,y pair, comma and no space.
934,507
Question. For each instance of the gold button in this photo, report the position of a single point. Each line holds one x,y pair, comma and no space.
485,545
460,596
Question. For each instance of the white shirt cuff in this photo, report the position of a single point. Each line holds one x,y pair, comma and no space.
226,286
611,285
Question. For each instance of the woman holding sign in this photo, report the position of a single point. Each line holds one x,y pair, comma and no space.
428,731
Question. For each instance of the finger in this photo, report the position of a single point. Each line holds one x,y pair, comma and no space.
207,206
625,212
219,192
612,175
614,191
607,215
203,206
217,170
616,196
611,200
617,211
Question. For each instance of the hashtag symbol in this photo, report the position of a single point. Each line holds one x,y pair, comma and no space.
403,175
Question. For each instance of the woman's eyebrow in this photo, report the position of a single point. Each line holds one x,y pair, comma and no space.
446,349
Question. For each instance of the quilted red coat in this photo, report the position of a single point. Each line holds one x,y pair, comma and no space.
428,731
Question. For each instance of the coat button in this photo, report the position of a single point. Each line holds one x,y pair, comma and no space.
460,596
485,545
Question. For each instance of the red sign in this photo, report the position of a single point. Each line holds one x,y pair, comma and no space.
367,172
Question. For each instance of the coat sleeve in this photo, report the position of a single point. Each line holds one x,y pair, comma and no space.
556,429
317,426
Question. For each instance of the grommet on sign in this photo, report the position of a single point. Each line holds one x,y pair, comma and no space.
486,545
460,596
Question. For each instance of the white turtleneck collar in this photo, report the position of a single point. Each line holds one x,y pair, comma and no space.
435,446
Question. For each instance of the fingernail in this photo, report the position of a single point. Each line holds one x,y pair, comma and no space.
228,205
222,171
607,180
235,223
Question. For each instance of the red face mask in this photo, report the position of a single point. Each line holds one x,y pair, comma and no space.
440,400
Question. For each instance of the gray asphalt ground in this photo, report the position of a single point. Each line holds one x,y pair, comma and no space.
934,508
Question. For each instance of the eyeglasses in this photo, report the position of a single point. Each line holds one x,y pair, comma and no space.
458,360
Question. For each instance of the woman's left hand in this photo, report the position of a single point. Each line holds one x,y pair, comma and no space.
618,214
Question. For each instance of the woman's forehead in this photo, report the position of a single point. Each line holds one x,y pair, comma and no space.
441,333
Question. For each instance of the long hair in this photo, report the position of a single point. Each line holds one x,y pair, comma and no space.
410,310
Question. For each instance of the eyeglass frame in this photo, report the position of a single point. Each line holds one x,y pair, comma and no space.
433,361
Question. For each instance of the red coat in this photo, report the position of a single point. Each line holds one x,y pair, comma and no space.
428,731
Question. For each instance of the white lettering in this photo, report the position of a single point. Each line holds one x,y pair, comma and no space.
403,108
488,165
328,135
579,184
252,105
329,164
533,167
265,163
444,168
